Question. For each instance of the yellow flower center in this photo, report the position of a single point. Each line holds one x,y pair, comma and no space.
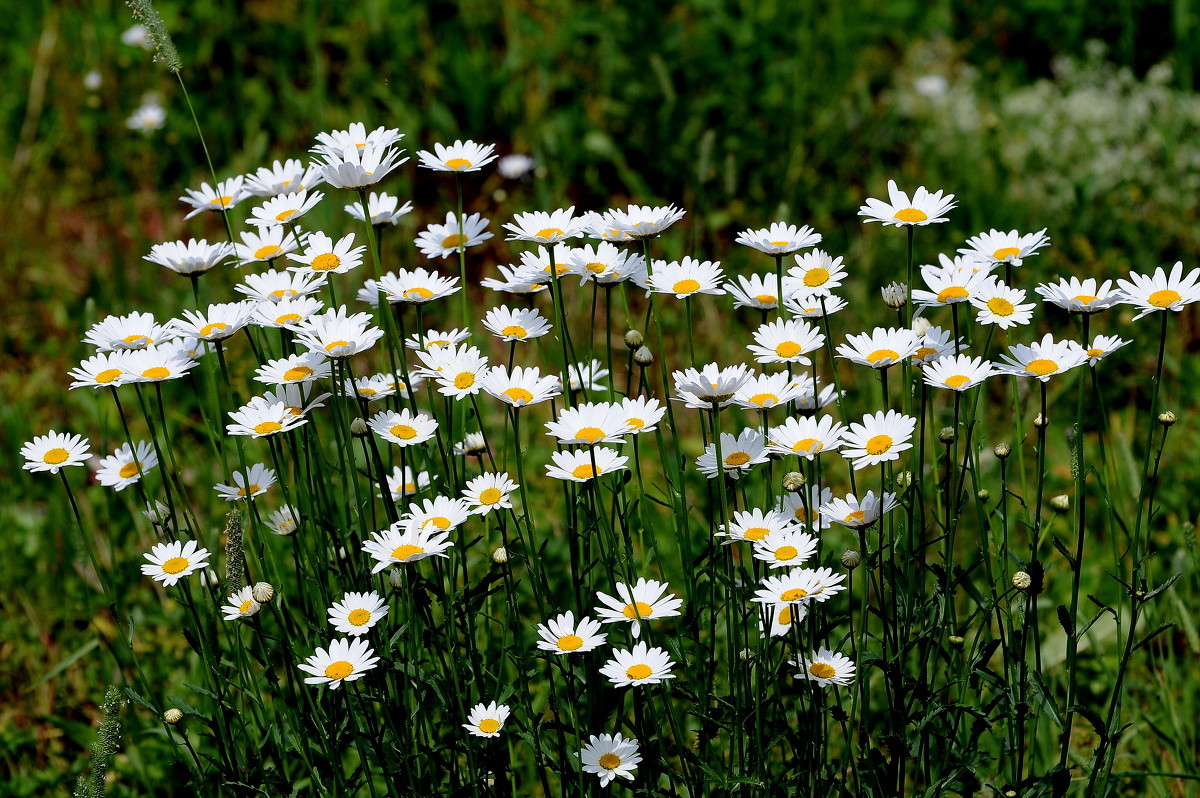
518,394
807,445
1094,352
56,456
297,373
821,670
756,533
1164,298
453,241
1085,299
250,491
267,427
957,381
911,215
788,349
686,287
128,470
786,553
458,163
222,201
439,521
108,375
879,444
403,431
596,267
137,340
924,352
358,617
766,299
635,423
339,670
610,761
515,330
245,606
419,292
326,262
1041,367
489,725
785,615
795,594
737,459
285,215
1006,252
287,318
880,354
1000,306
589,434
336,345
780,243
262,253
157,373
406,551
464,380
175,565
213,328
548,233
952,292
570,642
638,609
855,518
284,293
584,471
490,496
639,671
764,399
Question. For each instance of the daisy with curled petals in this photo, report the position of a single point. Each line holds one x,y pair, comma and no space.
739,454
488,492
524,386
756,525
407,484
294,369
55,451
191,257
825,667
486,720
641,665
444,240
170,562
287,314
398,544
461,156
686,278
457,370
283,522
403,428
880,348
135,331
283,177
804,507
416,286
336,334
948,284
546,228
805,436
767,390
356,613
800,585
995,247
936,343
217,323
589,423
356,136
641,221
1001,305
648,600
260,421
515,281
957,372
901,211
125,466
440,514
609,756
786,549
812,396
710,385
226,195
284,209
103,370
641,414
584,465
1041,359
345,661
265,245
277,286
1081,296
437,339
359,167
758,291
383,209
816,273
297,399
785,341
1102,346
779,239
811,306
542,265
855,514
523,324
560,635
606,264
371,388
322,256
1161,291
586,376
879,438
156,364
241,604
255,482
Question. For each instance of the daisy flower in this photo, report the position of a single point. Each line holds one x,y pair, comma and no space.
125,466
1041,359
856,514
648,600
406,484
486,720
785,341
1081,296
293,370
756,525
415,286
687,278
356,137
443,240
805,436
403,428
880,348
948,284
516,281
261,420
957,372
1102,346
609,756
241,604
461,156
359,167
135,331
546,228
282,177
55,451
398,544
767,390
804,507
779,239
287,314
1161,291
826,667
217,323
995,247
739,454
642,414
811,395
266,245
370,388
156,364
641,665
437,339
800,585
577,466
277,286
922,209
458,371
816,273
786,549
226,195
523,324
710,385
524,386
562,636
322,256
103,370
284,209
384,209
782,616
440,513
356,613
879,438
488,492
255,482
345,661
540,267
190,257
296,399
811,306
606,264
336,334
586,376
473,444
1000,305
284,521
514,166
758,291
589,423
937,343
170,562
639,221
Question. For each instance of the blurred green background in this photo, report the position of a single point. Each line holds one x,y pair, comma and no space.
1072,115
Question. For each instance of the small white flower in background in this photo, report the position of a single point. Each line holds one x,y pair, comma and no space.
55,451
345,661
901,211
811,306
255,482
609,756
804,507
226,195
356,613
561,635
779,239
461,156
384,209
137,36
586,376
935,344
147,118
284,521
516,281
93,80
826,667
431,340
125,466
170,562
241,605
473,444
406,484
514,166
486,720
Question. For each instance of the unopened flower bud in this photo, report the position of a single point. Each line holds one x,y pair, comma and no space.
1002,450
359,428
1022,580
956,641
1167,418
634,339
396,577
500,555
643,356
851,559
172,716
793,481
263,592
744,655
904,479
921,325
895,295
946,435
983,494
1040,421
1061,502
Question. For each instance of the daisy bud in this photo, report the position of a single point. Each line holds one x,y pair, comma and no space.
1167,418
172,716
983,495
851,559
1040,421
921,325
359,428
264,592
1002,450
904,479
1022,580
744,655
793,481
634,339
396,577
1061,502
946,435
956,641
500,555
895,295
643,356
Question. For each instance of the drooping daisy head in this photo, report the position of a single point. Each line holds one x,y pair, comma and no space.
359,167
900,210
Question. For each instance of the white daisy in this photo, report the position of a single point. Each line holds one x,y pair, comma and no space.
1081,296
135,331
826,667
856,514
786,341
294,369
779,239
486,720
170,562
55,451
399,544
488,492
758,291
995,247
583,465
957,373
404,428
523,324
125,466
1161,291
786,549
546,228
356,613
1001,305
901,211
461,156
226,195
359,167
284,209
241,604
345,661
322,255
805,436
1041,359
609,756
190,257
687,278
880,348
1102,346
261,420
639,666
255,482
524,386
879,438
648,600
562,636
816,273
444,240
384,209
739,454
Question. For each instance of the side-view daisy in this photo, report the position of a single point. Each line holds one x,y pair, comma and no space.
800,585
345,661
739,453
589,423
523,324
957,372
416,286
284,209
191,257
359,167
901,211
1041,359
241,604
856,514
1161,291
1081,296
648,600
125,466
400,543
779,239
227,194
756,525
356,613
806,436
336,334
711,385
758,291
1102,346
170,562
524,386
561,635
444,240
255,482
382,208
995,247
638,221
583,465
880,348
260,420
642,414
461,156
546,228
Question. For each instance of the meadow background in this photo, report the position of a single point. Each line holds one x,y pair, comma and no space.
1079,117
